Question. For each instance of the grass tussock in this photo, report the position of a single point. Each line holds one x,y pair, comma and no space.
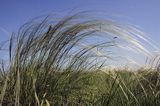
57,63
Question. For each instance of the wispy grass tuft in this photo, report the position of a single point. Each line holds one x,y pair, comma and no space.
62,63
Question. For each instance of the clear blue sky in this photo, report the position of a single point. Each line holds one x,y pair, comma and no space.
144,13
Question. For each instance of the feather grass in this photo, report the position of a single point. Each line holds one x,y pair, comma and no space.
57,63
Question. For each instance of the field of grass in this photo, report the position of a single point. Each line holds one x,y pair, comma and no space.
50,65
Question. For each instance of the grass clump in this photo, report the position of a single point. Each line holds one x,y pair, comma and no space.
55,63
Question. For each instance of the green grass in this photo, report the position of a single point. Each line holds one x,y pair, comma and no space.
51,63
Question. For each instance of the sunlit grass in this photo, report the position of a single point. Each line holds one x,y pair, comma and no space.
61,63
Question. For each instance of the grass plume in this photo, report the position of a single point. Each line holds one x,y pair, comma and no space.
57,63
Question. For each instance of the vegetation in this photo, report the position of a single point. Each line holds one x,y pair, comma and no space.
54,63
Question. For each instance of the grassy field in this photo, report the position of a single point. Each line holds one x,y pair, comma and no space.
49,64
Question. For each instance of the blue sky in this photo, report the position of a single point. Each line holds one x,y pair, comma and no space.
144,13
